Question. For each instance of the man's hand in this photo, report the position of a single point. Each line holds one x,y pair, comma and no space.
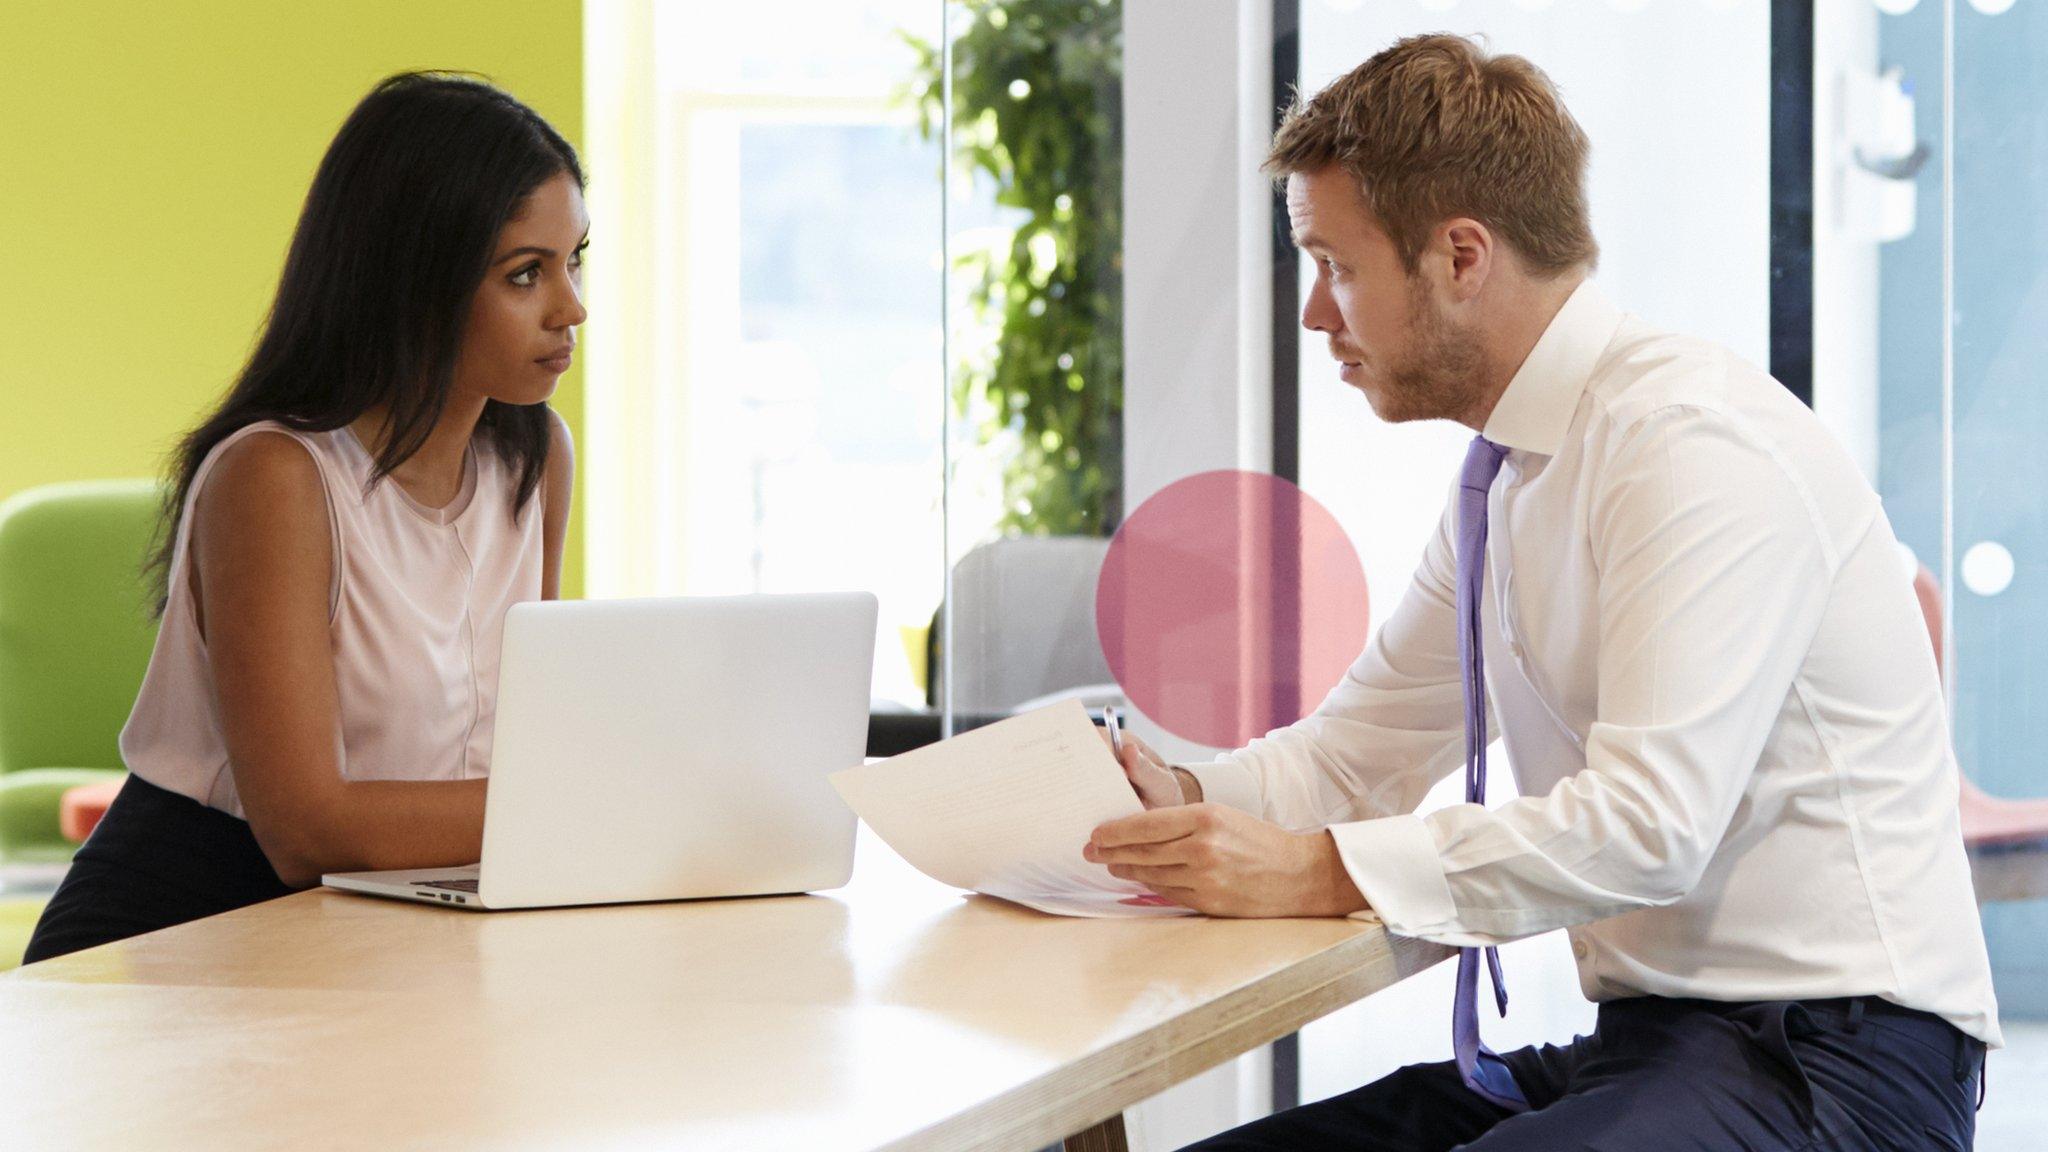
1223,862
1157,783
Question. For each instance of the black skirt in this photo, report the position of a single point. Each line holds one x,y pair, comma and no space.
156,859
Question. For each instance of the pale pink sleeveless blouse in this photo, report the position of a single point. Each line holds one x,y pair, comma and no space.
418,605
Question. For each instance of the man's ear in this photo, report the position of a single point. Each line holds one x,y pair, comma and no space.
1467,250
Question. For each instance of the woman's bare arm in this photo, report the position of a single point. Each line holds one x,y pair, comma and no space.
263,559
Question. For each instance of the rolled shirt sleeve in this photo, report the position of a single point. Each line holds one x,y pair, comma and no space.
1709,595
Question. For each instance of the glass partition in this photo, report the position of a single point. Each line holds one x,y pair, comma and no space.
951,299
1963,301
1028,93
763,411
1680,196
1998,311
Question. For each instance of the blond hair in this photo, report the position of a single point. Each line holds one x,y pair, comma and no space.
1435,127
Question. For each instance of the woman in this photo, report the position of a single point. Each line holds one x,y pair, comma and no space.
346,533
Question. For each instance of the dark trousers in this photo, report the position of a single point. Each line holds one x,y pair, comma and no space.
1677,1076
156,859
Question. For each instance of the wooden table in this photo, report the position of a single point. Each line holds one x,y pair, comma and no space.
894,1014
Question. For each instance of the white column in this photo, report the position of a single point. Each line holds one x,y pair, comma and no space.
621,351
1197,339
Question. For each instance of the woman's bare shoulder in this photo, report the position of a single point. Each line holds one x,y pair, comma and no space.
260,532
266,477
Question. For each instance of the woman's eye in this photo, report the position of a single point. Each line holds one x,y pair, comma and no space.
527,277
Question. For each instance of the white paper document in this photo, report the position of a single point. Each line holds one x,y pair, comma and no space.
1004,810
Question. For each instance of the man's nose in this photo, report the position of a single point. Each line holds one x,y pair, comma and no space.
1319,313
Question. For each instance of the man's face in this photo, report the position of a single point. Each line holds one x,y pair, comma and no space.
1386,327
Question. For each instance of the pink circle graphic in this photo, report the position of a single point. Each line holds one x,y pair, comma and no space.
1229,605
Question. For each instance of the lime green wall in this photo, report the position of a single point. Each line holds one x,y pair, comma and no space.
153,157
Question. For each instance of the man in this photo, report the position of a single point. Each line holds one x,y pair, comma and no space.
1683,610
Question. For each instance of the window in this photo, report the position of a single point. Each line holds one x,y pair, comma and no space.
765,372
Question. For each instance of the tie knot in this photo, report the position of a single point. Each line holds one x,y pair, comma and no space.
1482,464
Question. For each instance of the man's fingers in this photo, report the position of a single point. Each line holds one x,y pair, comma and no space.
1151,827
1162,852
1185,897
1135,752
1172,876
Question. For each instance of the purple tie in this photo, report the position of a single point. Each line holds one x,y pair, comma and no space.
1482,1070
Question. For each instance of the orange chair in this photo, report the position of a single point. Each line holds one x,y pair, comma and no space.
82,807
2007,839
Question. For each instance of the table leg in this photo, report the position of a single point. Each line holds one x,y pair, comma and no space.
1107,1136
1287,1072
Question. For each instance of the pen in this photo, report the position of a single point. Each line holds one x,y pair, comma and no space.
1114,721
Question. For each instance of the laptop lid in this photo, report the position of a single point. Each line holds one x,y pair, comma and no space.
665,749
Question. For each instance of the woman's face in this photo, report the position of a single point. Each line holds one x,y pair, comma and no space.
522,321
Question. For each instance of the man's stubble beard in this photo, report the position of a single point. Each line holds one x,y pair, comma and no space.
1444,374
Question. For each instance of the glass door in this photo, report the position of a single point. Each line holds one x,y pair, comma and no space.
1963,300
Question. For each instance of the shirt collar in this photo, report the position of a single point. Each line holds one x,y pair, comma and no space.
1537,408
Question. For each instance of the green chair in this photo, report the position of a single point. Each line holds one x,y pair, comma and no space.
18,915
76,627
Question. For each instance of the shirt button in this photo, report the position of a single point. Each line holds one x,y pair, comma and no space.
1579,949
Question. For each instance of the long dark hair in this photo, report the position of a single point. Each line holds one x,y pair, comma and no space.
395,237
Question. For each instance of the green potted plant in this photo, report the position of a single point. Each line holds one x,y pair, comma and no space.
1038,110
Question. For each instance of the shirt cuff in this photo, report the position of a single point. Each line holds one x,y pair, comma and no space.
1394,862
1224,782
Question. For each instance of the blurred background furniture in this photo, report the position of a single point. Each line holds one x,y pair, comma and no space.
2007,839
76,627
83,807
1023,636
1023,627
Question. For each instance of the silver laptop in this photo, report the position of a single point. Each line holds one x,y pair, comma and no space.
665,749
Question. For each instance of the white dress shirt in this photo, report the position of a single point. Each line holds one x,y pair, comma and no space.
1715,688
